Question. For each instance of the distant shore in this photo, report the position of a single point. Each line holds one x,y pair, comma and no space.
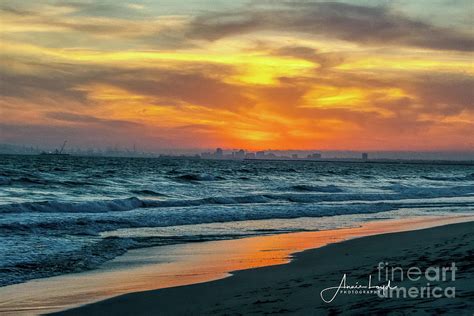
380,161
401,161
296,287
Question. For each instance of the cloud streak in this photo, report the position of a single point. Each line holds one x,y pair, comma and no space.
377,26
88,119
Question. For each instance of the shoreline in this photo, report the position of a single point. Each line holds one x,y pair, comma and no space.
295,287
186,264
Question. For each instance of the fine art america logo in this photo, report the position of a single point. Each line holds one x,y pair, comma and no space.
385,286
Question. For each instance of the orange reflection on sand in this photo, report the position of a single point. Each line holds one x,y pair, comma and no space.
277,249
175,265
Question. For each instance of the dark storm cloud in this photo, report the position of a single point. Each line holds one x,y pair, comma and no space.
360,24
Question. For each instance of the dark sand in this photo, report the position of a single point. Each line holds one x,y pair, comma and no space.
295,288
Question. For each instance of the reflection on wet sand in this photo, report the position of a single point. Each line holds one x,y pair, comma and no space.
175,265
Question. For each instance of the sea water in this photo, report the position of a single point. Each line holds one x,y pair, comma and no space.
68,214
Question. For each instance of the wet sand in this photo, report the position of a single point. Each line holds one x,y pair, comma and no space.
295,288
262,290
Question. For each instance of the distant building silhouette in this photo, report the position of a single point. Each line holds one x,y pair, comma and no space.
206,155
219,153
365,156
314,156
239,154
250,155
260,154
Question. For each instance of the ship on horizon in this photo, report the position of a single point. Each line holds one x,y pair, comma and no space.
56,152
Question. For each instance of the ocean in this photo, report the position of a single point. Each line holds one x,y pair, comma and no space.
68,214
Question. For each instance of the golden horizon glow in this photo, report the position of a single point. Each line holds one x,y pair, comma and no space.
180,78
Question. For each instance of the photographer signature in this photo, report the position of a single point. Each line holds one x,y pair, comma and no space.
344,286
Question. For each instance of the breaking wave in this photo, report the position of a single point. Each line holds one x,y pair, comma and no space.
5,180
469,177
316,188
198,177
120,205
70,207
148,193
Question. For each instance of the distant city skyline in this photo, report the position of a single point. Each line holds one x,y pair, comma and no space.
356,75
239,153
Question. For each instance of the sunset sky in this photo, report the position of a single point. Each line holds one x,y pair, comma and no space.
345,75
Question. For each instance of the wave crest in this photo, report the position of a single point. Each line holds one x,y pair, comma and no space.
316,188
